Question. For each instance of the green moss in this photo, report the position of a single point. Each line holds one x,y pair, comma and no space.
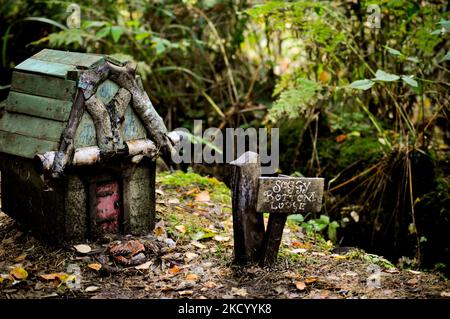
218,191
328,149
358,254
366,149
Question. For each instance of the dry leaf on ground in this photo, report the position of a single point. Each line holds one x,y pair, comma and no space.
241,292
83,249
300,285
19,273
202,197
95,266
192,277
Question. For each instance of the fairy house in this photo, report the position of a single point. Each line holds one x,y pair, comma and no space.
78,141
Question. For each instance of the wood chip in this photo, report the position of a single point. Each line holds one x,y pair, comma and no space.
144,266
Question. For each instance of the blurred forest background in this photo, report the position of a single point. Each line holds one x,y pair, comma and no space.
366,108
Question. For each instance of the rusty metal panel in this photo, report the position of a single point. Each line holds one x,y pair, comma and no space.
289,194
108,207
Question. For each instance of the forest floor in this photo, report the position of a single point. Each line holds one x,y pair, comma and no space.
189,255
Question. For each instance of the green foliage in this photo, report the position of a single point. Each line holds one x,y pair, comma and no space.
370,258
218,191
294,102
366,149
350,121
320,225
362,84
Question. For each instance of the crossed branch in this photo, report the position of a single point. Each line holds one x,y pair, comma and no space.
108,118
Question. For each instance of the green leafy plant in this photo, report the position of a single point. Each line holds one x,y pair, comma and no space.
319,225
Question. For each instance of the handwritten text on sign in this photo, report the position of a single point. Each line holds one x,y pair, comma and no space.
289,194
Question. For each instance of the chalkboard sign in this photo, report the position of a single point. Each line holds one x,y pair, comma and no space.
289,194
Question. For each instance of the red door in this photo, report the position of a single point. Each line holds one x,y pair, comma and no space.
108,207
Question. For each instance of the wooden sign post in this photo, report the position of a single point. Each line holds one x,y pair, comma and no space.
279,196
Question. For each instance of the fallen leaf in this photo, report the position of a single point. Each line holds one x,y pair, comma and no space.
191,191
339,257
130,248
60,276
192,277
341,138
415,272
292,275
301,245
174,270
391,270
181,228
300,285
351,274
190,256
83,249
173,201
320,254
202,197
221,238
280,289
210,284
20,258
170,242
412,282
19,273
144,266
445,294
95,266
207,264
355,216
202,235
324,77
185,293
198,245
159,231
92,289
298,251
242,292
310,280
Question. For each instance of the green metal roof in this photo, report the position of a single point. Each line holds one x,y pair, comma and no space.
40,101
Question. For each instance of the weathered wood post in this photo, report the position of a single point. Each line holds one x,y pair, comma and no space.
272,239
281,196
254,195
248,225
